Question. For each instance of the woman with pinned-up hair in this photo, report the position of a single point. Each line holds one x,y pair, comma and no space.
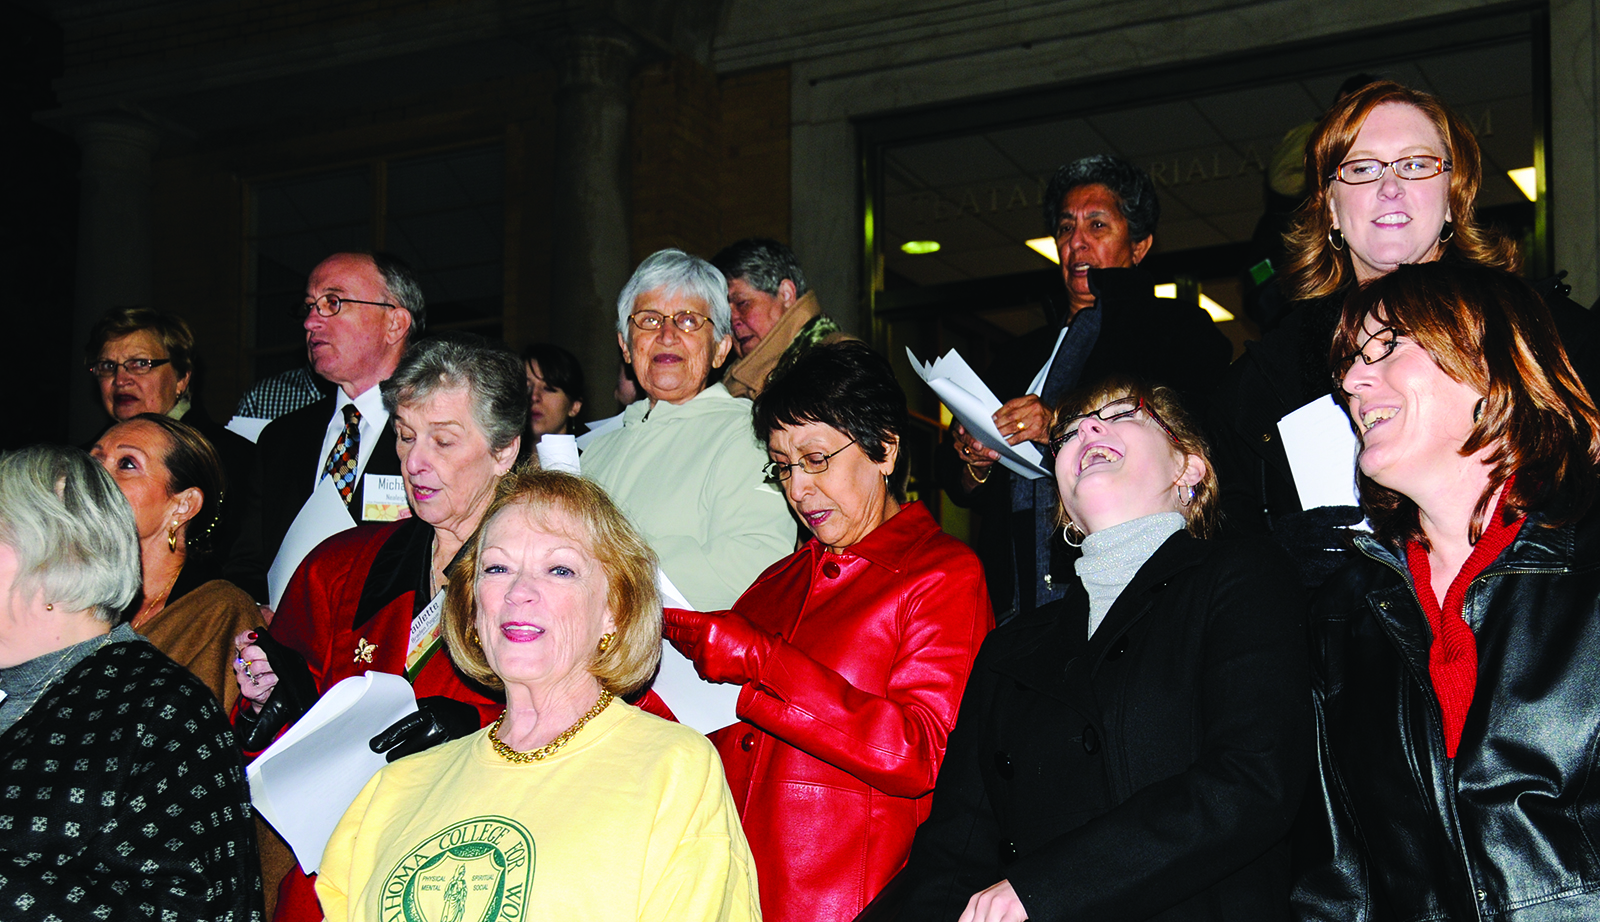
1137,749
124,795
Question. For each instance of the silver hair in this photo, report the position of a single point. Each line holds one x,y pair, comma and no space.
491,373
678,273
71,529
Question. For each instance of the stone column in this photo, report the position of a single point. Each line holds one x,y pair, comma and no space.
591,253
114,259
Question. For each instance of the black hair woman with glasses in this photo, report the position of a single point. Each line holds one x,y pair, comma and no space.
1138,748
853,651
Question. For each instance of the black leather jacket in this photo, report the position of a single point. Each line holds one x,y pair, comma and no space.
1508,829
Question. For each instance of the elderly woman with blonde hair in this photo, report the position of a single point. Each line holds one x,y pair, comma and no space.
553,601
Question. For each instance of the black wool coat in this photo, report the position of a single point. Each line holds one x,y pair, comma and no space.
1149,772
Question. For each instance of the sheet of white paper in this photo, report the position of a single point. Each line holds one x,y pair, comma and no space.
705,706
973,405
1037,387
306,780
1322,454
558,453
323,516
598,428
248,426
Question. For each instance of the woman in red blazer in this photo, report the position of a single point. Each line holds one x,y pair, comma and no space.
853,652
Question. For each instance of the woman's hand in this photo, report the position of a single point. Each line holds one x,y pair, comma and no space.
724,646
999,903
253,671
1024,419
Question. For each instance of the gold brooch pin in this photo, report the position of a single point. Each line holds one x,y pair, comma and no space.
364,651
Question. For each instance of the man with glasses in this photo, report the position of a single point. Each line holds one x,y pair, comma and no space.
360,312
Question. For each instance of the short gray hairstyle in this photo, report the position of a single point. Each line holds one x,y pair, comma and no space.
404,287
492,374
763,263
678,273
71,529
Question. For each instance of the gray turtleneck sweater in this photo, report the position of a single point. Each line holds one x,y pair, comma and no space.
1111,557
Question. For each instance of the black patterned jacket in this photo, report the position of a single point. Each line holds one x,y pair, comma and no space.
122,796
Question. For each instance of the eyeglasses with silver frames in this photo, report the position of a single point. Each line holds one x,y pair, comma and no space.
329,306
813,463
105,368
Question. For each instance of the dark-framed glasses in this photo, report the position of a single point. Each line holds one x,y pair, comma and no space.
814,463
1374,348
105,368
651,321
1361,172
1119,409
329,305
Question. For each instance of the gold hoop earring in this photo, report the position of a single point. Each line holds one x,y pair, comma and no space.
606,639
1335,238
1448,231
172,538
1066,534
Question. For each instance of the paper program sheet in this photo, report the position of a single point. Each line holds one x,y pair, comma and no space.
973,405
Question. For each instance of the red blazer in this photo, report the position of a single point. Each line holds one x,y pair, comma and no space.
839,743
358,590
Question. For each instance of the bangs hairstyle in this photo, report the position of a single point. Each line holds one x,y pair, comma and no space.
1202,514
174,333
1488,330
1315,269
192,461
71,529
844,385
628,562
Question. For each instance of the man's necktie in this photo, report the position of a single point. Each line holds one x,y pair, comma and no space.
346,452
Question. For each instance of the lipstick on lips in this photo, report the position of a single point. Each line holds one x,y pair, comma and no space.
521,632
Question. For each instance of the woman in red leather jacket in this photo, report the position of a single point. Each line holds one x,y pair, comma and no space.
853,652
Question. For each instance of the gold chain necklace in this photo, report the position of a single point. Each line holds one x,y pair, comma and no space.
548,749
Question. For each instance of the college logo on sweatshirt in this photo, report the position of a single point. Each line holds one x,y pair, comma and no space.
477,870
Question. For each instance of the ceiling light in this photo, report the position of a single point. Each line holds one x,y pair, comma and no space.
1527,180
919,247
1046,247
1219,314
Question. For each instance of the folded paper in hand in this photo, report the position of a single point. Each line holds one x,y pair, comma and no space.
308,778
974,405
705,706
1322,453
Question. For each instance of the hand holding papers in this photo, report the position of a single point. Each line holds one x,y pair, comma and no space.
705,706
306,780
973,405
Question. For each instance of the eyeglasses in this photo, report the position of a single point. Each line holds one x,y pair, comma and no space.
329,305
1124,408
1374,348
651,321
814,463
105,368
1361,172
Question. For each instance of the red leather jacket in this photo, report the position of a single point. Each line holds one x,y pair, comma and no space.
356,594
839,743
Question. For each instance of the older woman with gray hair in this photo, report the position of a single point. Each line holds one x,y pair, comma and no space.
685,467
124,796
371,598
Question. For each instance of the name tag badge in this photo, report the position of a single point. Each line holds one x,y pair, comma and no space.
383,498
424,636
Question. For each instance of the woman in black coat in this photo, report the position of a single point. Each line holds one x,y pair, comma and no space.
1138,749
